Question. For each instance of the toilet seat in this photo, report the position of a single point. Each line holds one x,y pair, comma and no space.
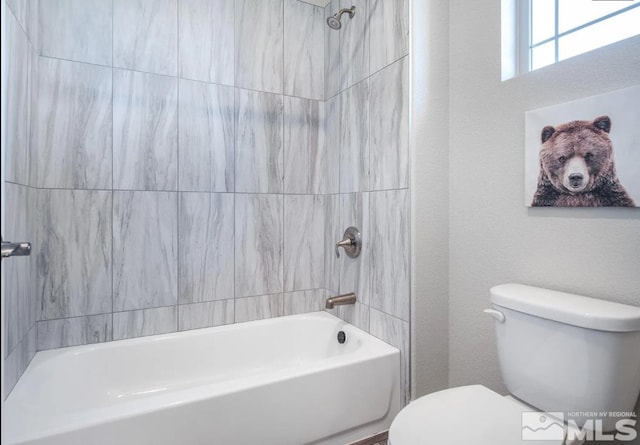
463,415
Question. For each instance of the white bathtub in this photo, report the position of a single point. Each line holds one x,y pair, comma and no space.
279,381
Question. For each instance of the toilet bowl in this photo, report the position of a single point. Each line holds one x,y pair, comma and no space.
467,415
546,340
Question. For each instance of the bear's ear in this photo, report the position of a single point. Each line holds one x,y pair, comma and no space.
547,132
603,123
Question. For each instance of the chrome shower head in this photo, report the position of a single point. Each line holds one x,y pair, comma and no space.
334,21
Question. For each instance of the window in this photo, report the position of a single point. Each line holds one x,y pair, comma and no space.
537,33
560,29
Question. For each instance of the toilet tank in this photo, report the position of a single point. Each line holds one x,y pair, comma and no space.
568,353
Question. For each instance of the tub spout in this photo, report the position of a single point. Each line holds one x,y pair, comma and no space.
341,299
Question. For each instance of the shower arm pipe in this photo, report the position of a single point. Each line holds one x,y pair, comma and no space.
351,11
334,21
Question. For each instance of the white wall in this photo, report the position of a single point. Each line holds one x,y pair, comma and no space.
493,238
429,206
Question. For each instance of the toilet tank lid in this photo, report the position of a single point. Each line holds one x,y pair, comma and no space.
576,310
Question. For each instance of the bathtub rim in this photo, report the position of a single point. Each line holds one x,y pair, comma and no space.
106,414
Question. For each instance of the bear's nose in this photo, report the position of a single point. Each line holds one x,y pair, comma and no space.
575,179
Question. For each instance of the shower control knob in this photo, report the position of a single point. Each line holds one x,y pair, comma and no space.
351,242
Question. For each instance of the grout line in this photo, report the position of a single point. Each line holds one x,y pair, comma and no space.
74,317
140,309
235,181
22,28
235,176
200,191
282,179
178,245
112,173
320,99
367,77
283,50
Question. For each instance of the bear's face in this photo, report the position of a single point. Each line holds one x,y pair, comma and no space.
575,154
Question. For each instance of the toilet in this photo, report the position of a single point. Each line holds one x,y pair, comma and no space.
559,354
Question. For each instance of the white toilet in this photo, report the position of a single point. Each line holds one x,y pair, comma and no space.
558,352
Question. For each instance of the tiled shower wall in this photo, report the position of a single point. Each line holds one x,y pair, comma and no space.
181,166
193,162
367,102
18,274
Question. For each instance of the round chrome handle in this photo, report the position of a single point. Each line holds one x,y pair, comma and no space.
352,243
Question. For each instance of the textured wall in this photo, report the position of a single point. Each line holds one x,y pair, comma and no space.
494,238
430,197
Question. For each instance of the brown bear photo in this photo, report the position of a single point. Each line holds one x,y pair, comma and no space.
577,167
584,152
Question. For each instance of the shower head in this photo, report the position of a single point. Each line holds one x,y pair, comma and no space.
334,21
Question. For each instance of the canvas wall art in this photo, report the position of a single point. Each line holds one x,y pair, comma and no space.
585,153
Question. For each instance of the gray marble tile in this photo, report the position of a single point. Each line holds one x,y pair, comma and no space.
74,125
259,142
159,320
206,40
259,307
33,26
301,302
332,79
389,32
16,363
354,130
205,247
305,242
145,250
306,165
304,29
17,98
389,240
258,244
32,116
311,165
355,272
145,131
354,43
333,232
77,30
26,13
205,315
145,35
206,137
19,314
34,224
332,140
65,332
389,138
74,255
19,8
395,332
355,314
259,45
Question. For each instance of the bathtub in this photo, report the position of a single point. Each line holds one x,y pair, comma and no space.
280,381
